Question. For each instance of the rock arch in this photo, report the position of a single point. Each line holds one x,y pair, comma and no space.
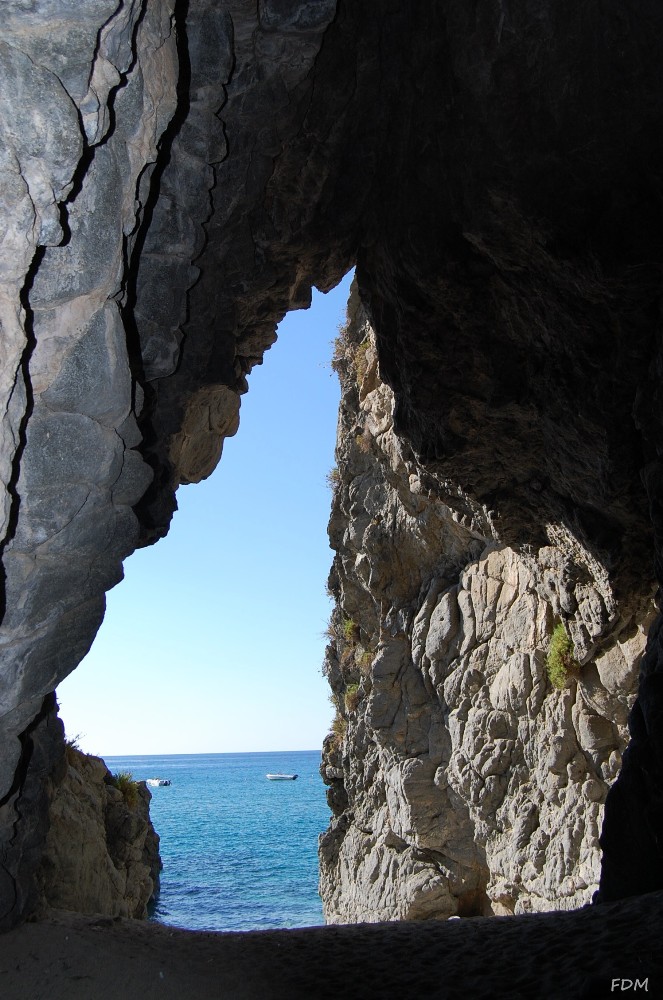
178,173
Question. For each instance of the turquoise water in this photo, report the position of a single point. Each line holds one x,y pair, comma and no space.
239,852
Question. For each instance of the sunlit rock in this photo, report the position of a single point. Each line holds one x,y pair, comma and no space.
174,178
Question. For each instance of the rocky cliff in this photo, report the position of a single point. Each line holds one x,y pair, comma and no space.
176,175
101,853
462,780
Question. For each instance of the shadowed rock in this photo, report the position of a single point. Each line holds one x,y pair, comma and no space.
175,177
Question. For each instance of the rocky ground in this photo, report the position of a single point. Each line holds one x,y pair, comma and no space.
570,955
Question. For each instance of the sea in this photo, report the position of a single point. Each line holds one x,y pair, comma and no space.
239,851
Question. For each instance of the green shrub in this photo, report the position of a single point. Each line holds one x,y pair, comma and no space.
352,697
350,631
561,663
125,783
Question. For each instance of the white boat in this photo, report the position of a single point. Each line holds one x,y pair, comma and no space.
158,782
281,777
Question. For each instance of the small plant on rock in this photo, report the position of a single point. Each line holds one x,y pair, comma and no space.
363,441
125,783
339,349
364,661
333,479
339,728
350,631
361,361
352,697
72,747
330,632
561,663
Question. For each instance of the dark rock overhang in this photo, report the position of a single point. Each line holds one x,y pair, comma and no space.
495,173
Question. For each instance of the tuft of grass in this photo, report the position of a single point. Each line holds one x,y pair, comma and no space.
352,697
364,661
363,441
339,349
125,783
350,631
361,363
561,663
330,631
72,747
339,728
333,478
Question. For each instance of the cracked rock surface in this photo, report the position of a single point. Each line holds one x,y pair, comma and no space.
101,853
173,178
462,782
87,92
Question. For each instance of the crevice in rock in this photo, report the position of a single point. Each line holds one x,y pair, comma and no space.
28,823
23,373
90,147
133,252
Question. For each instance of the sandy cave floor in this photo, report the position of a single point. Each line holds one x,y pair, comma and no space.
581,954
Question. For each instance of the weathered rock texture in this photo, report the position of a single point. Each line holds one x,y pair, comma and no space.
175,176
87,91
80,843
101,853
461,780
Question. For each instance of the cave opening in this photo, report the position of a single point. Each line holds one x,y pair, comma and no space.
213,642
500,191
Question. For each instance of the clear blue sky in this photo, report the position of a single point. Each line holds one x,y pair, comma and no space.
213,642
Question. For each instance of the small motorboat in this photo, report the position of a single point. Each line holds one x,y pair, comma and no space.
281,777
158,782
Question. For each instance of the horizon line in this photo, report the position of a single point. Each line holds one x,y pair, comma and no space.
204,753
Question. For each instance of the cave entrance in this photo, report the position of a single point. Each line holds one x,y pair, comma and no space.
213,642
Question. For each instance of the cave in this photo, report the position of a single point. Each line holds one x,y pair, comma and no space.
176,176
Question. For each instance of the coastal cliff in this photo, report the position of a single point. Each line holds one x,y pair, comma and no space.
87,843
101,853
177,175
462,781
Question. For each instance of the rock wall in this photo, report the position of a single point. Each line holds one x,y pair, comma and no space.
87,92
79,843
112,153
462,781
176,174
101,853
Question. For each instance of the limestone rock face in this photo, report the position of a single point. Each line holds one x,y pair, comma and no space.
173,178
462,781
87,92
101,853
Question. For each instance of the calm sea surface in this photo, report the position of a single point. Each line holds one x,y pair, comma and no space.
239,852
